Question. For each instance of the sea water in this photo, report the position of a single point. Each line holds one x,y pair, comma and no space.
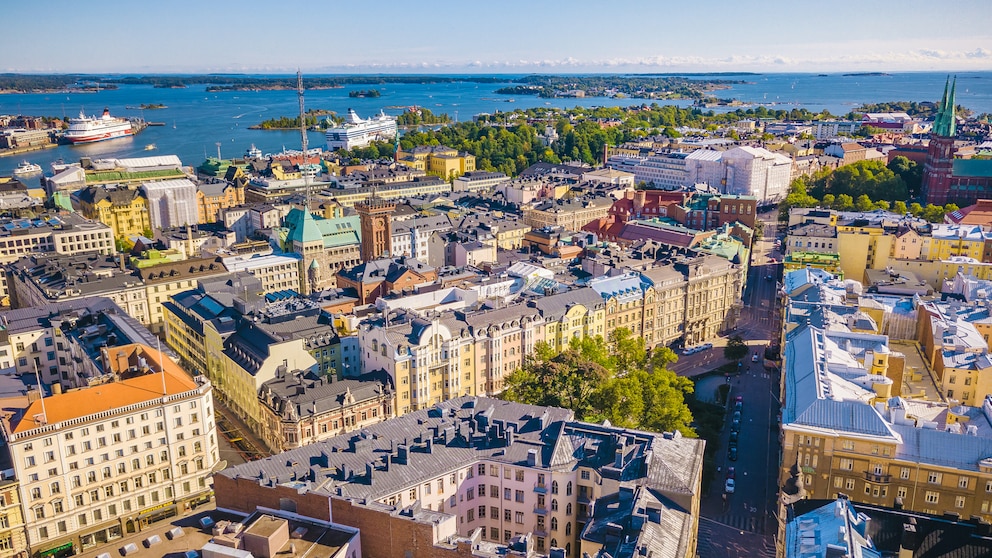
199,123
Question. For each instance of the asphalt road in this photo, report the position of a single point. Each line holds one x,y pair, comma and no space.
743,523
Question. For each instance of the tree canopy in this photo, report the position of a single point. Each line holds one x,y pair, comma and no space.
736,348
615,380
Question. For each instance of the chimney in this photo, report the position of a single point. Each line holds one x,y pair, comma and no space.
532,458
908,541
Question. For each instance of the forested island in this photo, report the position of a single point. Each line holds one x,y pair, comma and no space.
421,116
315,119
637,86
365,93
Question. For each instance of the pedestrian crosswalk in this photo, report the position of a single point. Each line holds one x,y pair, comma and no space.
741,522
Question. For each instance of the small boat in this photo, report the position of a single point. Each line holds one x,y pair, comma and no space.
150,147
26,169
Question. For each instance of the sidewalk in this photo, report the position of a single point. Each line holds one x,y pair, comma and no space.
193,537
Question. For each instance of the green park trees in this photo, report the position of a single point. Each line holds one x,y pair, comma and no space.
615,380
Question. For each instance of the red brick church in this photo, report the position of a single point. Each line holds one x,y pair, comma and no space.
946,179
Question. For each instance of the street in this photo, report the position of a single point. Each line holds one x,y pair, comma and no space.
743,523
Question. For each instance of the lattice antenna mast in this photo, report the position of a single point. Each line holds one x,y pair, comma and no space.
303,137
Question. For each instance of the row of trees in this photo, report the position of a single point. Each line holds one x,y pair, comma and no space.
799,197
615,380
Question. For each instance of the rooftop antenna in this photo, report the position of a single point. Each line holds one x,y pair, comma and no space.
303,136
161,365
41,391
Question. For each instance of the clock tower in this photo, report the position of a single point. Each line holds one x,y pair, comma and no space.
377,230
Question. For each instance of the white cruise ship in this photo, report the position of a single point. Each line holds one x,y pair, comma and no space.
356,132
88,129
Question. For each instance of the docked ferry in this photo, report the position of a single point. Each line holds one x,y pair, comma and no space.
356,132
89,129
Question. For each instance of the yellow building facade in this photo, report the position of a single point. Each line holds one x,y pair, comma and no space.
124,210
441,161
13,541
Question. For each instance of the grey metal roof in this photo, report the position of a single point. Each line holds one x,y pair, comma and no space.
391,456
554,307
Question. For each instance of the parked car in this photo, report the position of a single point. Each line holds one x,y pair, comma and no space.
731,472
690,350
737,415
739,406
733,437
735,426
754,357
705,346
732,453
729,486
739,398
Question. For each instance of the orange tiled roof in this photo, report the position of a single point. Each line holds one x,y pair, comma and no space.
104,397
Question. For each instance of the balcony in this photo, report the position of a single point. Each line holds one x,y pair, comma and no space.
540,510
878,478
540,488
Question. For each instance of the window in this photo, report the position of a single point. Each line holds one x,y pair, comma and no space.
904,473
901,492
554,504
584,475
959,502
470,494
847,464
554,487
962,482
518,496
482,469
493,491
518,517
554,523
932,497
493,512
507,494
849,485
934,477
471,514
568,489
519,475
507,515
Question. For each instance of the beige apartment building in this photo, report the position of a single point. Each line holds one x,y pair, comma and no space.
107,461
848,431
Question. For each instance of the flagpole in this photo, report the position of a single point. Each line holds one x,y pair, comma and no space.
41,390
161,365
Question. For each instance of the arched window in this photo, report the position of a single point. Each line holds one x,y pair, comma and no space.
568,509
568,489
554,487
568,528
554,543
554,504
568,549
554,524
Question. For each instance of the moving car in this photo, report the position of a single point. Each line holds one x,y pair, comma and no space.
754,357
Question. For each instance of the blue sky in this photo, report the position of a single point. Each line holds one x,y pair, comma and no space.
509,36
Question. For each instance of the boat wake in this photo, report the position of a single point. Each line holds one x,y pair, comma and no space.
260,109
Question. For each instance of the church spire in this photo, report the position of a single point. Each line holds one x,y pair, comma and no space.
951,123
945,125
